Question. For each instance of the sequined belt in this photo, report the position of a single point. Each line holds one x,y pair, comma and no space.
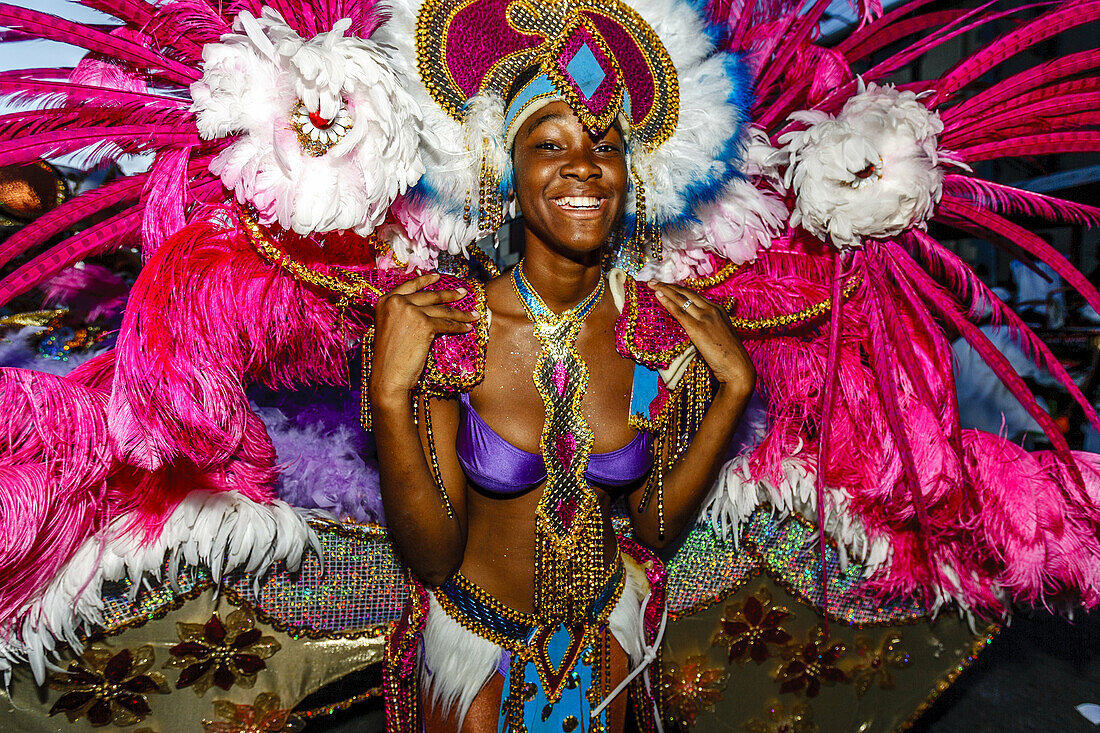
476,610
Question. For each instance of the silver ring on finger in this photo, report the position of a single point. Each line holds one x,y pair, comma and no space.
687,304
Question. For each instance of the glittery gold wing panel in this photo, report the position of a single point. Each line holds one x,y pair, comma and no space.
467,47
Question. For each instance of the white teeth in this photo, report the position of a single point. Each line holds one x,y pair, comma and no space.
578,202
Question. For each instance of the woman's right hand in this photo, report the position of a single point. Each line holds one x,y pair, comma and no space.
407,319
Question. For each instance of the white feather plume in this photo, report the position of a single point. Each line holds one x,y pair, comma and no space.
252,80
223,531
872,171
738,493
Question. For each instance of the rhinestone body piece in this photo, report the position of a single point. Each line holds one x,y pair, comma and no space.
568,526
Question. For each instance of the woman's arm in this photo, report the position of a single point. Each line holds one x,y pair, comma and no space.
429,540
694,472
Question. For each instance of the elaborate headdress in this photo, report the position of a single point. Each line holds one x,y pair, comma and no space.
484,66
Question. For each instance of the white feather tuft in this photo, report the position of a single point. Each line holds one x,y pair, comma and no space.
743,221
738,493
872,171
223,530
252,80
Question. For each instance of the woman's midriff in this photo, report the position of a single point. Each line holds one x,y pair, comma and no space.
500,544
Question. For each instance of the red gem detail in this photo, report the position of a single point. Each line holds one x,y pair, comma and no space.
318,121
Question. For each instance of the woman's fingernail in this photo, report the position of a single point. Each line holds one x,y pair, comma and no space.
475,313
462,291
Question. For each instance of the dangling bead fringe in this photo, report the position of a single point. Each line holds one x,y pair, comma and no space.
681,422
364,379
421,404
647,235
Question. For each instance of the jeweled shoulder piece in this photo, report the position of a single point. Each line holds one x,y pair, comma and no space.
456,361
465,48
645,332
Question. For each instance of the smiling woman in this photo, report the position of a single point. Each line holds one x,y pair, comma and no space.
570,181
534,604
532,458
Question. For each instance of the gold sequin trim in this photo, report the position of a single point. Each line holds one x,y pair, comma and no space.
797,317
349,284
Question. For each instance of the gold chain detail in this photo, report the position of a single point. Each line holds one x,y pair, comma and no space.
349,284
789,319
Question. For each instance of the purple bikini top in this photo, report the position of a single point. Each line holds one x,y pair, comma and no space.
499,467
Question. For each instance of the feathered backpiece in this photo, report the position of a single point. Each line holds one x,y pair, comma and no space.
845,313
296,147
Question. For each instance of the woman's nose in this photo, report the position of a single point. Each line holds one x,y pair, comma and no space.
582,165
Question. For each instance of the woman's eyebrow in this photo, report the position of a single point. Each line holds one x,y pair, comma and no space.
545,118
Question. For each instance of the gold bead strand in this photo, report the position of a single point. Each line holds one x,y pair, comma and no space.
364,379
437,476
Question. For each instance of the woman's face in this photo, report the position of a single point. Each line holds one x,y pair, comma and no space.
571,185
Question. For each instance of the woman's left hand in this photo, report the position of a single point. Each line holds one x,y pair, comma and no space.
709,328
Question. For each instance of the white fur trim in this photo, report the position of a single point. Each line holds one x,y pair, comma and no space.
457,663
221,530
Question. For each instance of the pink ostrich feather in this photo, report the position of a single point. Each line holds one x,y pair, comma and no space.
946,309
71,213
187,25
92,291
1024,82
1024,115
1059,20
965,215
1042,544
888,32
1004,199
177,395
105,236
54,463
106,140
1042,144
887,367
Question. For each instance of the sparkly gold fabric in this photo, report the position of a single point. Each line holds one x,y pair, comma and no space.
569,547
747,649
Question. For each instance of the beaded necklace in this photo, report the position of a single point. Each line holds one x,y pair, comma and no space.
568,529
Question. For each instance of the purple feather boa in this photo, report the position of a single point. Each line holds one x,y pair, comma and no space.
326,459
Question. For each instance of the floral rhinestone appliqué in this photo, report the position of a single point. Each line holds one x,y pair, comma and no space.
877,661
799,719
265,715
222,655
751,626
692,688
108,687
811,664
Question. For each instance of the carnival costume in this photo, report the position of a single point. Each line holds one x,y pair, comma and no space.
308,157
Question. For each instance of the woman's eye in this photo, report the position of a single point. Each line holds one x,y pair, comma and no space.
546,145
